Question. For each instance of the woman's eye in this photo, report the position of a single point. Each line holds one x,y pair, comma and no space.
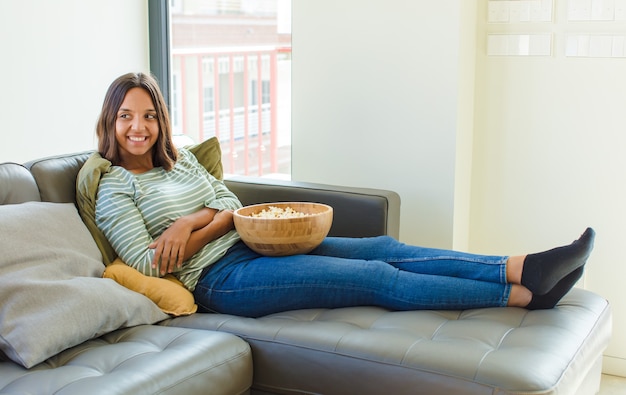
150,116
124,116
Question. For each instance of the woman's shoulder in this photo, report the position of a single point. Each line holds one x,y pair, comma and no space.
185,155
116,177
186,158
117,172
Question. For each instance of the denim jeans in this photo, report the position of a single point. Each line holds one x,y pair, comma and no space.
344,272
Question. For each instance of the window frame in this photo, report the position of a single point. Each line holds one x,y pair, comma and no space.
159,37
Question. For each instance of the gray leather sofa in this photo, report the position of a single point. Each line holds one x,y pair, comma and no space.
363,350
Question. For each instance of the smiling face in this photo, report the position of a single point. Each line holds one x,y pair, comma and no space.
136,130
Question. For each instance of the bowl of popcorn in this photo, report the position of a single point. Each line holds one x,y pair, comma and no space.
285,228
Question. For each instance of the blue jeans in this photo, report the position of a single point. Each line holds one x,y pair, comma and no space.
343,272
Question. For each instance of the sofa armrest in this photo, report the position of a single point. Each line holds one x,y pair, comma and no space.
357,212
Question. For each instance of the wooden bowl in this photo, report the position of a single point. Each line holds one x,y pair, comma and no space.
284,236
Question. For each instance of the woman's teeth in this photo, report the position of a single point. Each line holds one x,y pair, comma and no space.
137,139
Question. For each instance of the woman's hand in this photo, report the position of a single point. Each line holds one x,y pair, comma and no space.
187,235
169,248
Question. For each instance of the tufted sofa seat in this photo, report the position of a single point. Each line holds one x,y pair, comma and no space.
369,350
140,360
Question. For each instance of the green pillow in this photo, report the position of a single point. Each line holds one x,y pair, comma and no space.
209,154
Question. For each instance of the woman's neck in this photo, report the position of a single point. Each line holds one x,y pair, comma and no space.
137,166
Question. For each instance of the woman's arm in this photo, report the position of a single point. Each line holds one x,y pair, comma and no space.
182,228
120,221
222,223
187,235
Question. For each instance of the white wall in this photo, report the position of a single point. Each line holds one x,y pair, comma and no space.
58,59
549,157
465,125
383,96
376,102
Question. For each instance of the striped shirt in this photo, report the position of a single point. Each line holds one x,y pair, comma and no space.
132,210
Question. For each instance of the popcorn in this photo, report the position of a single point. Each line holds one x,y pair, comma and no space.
277,212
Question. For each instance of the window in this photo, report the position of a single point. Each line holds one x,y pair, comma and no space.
176,108
227,64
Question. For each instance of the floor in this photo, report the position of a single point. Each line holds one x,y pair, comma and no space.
612,385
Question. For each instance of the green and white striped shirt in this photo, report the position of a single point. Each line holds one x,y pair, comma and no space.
132,210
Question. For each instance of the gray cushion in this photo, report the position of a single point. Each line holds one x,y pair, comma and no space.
52,293
142,360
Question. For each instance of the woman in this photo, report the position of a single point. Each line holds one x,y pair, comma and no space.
164,213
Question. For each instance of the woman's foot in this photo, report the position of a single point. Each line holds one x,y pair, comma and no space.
543,271
550,299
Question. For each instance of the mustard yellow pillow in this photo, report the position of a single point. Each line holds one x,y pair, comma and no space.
166,292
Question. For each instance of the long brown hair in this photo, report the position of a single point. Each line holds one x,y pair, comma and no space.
164,152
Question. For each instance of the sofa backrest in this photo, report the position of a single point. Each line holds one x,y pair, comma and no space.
17,184
56,176
53,179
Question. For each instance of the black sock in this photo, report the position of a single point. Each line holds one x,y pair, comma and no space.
550,299
543,270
